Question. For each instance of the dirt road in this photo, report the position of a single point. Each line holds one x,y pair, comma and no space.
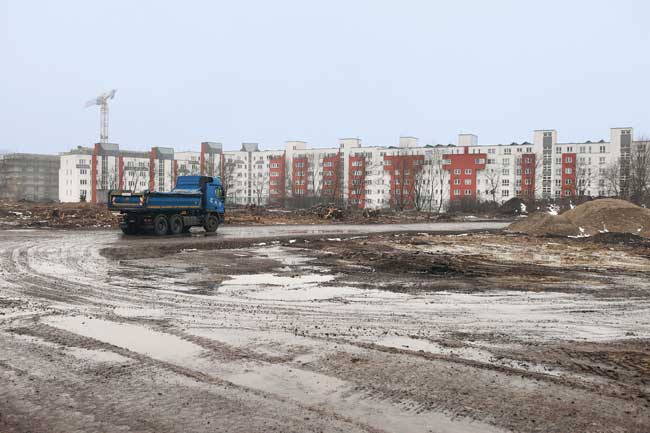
320,332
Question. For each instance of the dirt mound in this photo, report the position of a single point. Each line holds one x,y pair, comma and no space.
590,218
610,215
544,224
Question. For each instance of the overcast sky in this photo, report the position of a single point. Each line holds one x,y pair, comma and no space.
270,71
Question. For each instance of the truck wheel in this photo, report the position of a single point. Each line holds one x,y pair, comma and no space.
130,229
175,224
211,224
160,225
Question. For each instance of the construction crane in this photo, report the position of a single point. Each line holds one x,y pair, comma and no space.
102,101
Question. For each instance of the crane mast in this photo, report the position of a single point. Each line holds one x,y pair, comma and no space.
102,101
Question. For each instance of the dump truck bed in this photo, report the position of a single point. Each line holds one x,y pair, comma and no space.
177,199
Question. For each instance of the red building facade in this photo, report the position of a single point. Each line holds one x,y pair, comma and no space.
299,171
331,176
277,179
568,175
463,168
528,165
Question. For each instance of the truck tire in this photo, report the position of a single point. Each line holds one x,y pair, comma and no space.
211,224
160,225
175,224
130,229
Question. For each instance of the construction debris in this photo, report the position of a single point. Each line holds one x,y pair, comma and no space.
60,215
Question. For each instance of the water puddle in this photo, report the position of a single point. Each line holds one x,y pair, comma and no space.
97,356
285,288
158,345
470,353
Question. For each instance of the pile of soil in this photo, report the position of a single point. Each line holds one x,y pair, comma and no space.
590,218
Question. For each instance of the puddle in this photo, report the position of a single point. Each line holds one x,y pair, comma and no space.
469,353
285,288
130,312
98,356
158,345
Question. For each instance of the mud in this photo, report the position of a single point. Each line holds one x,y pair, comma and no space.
311,331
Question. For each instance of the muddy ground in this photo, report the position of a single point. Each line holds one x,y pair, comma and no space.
394,332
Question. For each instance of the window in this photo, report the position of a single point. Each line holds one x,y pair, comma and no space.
568,160
468,171
456,181
505,172
83,182
468,192
505,193
456,192
602,149
468,181
568,181
507,151
568,171
558,150
457,171
505,182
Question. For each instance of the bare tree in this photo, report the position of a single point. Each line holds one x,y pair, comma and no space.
260,184
612,178
584,176
134,176
440,182
423,188
404,170
638,182
228,181
492,176
332,176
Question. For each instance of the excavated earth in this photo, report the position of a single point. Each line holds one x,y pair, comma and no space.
345,331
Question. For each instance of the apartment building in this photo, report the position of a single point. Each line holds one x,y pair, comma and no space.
401,176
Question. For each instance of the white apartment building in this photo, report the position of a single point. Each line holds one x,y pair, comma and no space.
371,176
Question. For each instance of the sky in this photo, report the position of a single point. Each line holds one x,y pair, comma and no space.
271,71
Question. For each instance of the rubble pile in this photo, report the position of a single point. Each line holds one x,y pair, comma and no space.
588,219
60,215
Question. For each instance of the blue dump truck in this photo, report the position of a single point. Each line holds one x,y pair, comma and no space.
195,201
